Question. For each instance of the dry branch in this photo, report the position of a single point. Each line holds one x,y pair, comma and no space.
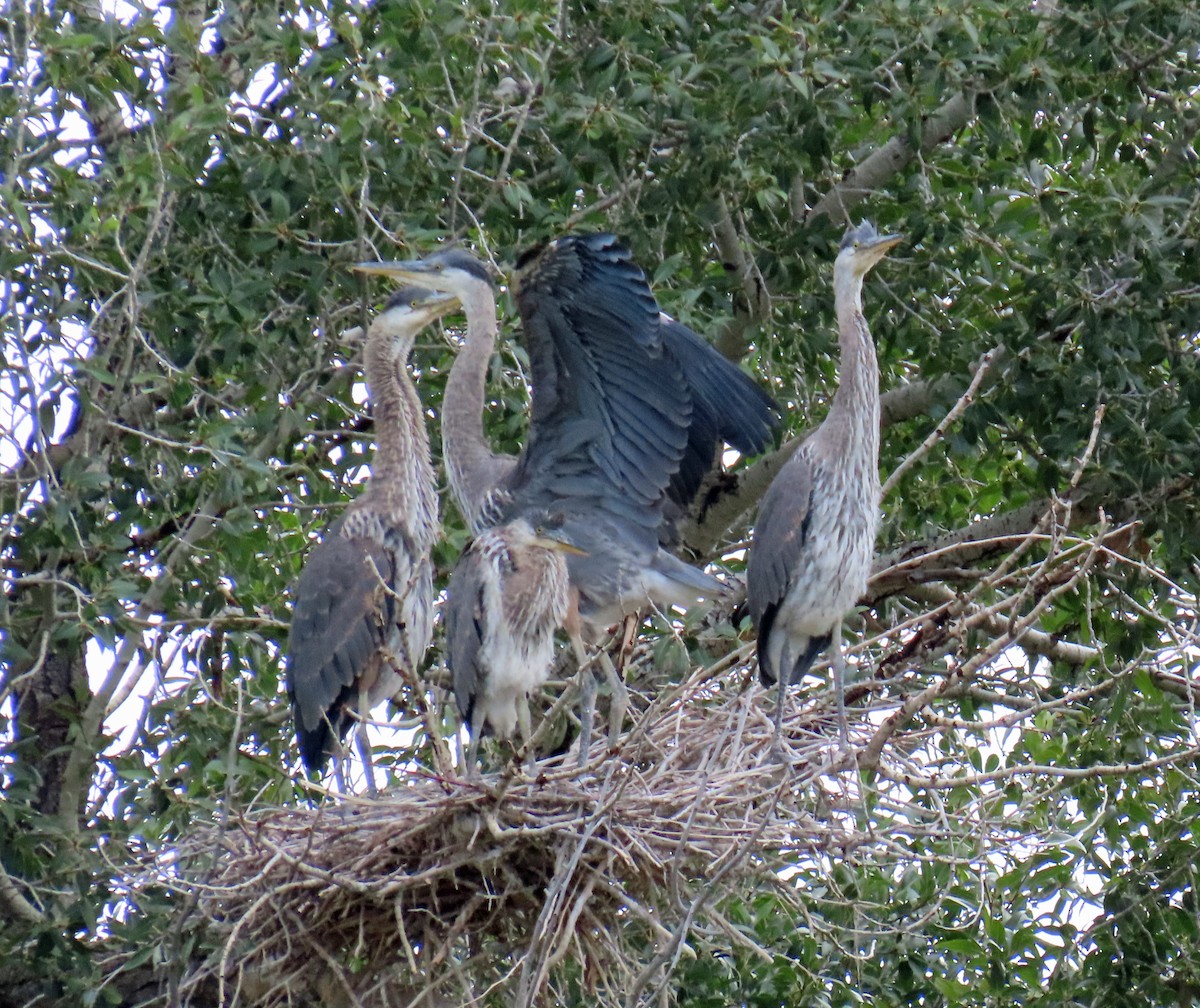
449,891
895,155
444,867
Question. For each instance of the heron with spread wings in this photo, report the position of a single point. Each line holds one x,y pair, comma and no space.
629,408
364,600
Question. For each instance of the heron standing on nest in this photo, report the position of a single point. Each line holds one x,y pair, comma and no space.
507,596
364,601
629,408
815,533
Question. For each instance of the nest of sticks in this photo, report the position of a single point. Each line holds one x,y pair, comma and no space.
592,882
397,899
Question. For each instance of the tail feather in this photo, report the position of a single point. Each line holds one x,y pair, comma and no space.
811,647
679,583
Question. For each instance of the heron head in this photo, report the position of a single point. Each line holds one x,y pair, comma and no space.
550,532
406,313
451,271
862,247
417,306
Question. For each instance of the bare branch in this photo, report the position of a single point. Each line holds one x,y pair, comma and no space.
1033,641
939,431
962,674
1185,754
993,535
15,903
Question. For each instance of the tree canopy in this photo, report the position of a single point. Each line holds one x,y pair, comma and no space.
182,189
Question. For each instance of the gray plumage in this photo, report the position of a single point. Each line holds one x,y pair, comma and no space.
629,408
364,599
815,533
610,423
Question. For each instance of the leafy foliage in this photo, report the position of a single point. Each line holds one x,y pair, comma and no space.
181,190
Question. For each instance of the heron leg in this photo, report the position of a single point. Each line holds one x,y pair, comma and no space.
839,689
629,632
475,731
339,771
619,703
525,735
363,744
472,767
783,678
587,697
459,751
781,685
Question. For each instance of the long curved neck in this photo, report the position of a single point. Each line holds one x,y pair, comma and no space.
401,474
853,418
473,468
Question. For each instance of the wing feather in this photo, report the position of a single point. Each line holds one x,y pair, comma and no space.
728,407
338,627
463,615
596,352
780,538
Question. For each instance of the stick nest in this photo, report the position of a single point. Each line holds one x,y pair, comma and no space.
570,865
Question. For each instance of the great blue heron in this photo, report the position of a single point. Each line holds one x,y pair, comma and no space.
628,410
364,599
815,532
601,356
507,596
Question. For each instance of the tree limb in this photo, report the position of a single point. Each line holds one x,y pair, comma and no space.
936,435
754,305
15,903
894,156
896,570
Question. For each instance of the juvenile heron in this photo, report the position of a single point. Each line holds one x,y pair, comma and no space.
815,533
507,596
364,599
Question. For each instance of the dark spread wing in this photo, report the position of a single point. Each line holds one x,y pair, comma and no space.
611,406
780,538
463,615
728,407
337,627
